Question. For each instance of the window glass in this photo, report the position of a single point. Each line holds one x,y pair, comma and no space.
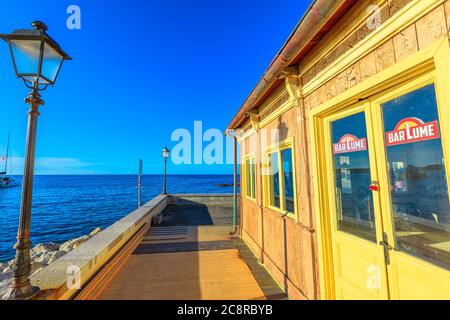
247,178
288,175
250,178
419,192
354,201
253,177
274,180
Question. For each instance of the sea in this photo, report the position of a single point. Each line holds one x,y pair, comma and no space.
68,207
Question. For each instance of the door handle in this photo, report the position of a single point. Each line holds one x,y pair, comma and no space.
386,245
387,248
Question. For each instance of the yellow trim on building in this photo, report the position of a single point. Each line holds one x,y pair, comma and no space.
278,148
349,70
405,17
430,65
250,156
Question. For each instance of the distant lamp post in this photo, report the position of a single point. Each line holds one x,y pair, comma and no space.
37,59
140,169
165,155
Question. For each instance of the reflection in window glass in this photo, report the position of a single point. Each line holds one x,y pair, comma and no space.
419,193
288,175
274,180
250,179
253,176
248,190
354,202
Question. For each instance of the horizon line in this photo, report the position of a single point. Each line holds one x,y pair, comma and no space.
125,174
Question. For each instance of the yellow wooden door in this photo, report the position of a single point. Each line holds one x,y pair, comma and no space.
356,224
412,144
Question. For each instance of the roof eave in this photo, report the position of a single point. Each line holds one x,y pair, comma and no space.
316,21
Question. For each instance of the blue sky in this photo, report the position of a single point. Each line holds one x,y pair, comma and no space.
140,70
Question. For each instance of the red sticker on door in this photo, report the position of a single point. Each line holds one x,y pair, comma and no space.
412,130
350,143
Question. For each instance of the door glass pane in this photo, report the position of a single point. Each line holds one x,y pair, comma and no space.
274,180
419,193
354,203
288,175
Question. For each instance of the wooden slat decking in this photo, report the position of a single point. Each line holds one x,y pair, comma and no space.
184,261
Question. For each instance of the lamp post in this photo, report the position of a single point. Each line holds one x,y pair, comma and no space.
37,60
165,155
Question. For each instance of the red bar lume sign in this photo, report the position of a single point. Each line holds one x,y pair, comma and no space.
412,130
350,143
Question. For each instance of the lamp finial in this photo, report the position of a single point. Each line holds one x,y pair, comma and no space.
39,25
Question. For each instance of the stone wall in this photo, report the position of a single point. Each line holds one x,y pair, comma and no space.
92,255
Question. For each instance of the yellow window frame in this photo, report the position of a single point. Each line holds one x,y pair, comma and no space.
249,176
433,63
267,152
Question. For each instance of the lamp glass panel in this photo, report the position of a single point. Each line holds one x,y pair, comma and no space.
26,55
51,63
33,79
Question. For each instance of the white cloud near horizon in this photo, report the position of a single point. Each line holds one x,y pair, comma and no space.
53,165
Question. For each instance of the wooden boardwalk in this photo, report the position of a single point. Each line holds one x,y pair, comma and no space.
181,260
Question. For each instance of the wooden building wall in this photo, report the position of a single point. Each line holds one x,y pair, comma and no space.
288,247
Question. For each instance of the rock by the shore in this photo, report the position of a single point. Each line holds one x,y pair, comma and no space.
5,278
43,255
75,243
45,247
3,275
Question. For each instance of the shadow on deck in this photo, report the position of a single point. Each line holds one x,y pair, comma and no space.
192,256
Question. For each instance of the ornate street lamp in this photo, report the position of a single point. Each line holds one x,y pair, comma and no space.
165,155
37,59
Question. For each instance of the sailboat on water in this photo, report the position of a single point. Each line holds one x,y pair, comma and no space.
5,180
